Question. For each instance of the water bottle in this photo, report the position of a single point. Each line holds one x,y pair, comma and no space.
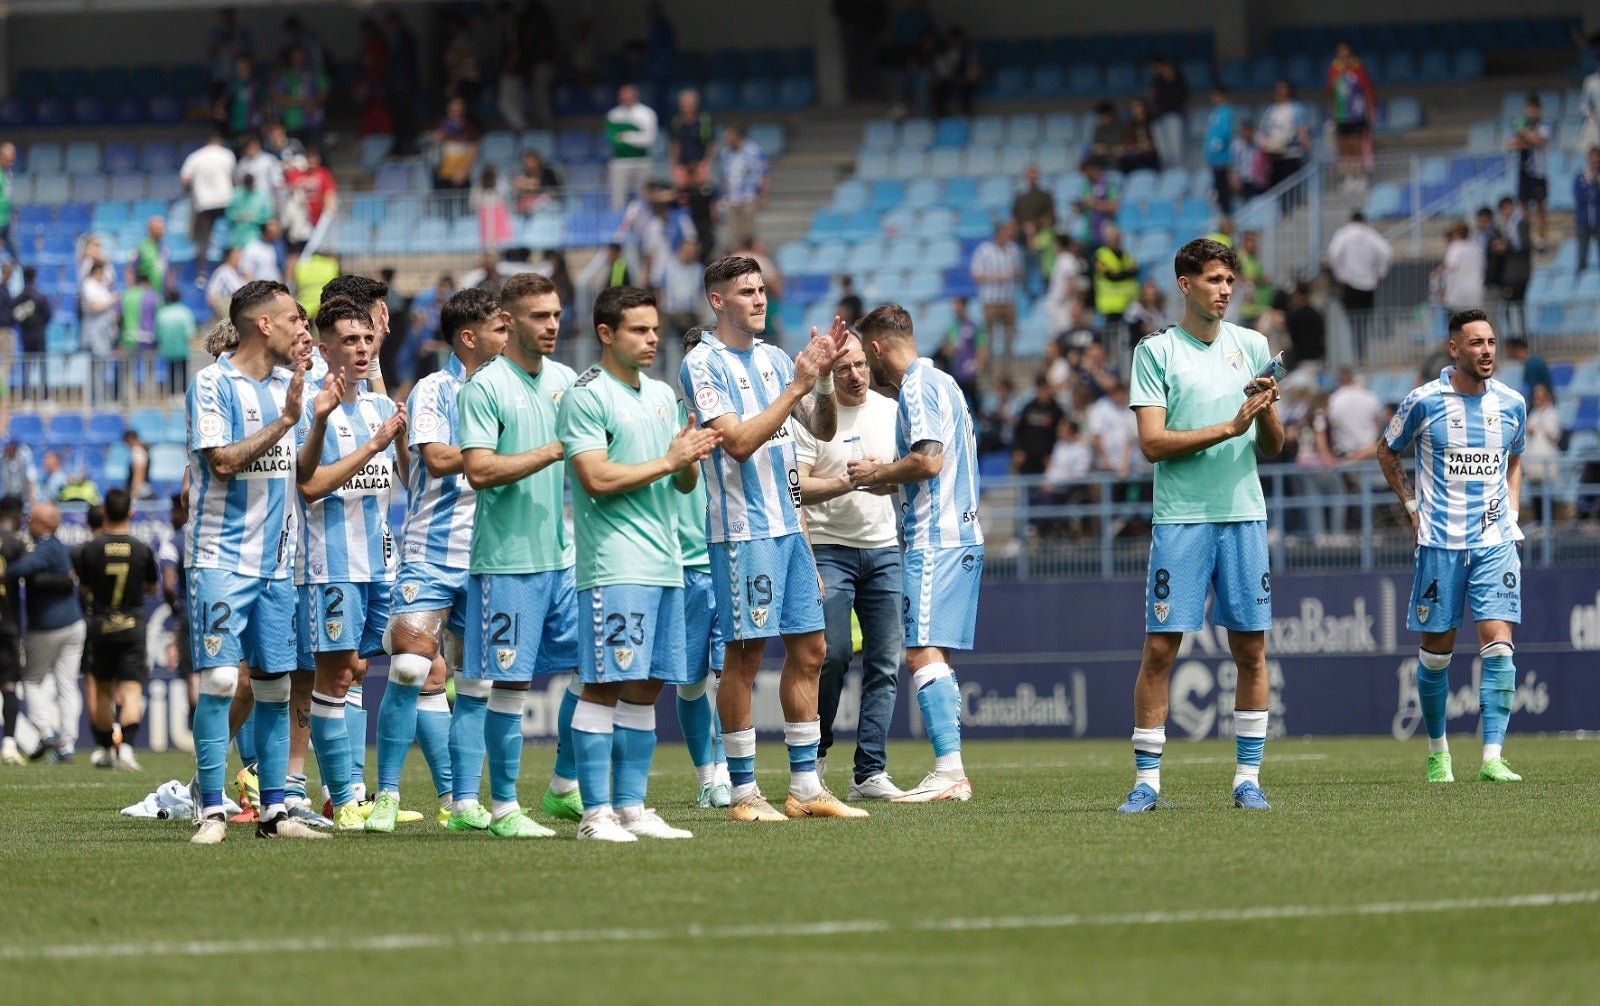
1273,368
855,452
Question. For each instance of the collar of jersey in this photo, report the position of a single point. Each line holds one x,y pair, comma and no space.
716,343
455,368
225,364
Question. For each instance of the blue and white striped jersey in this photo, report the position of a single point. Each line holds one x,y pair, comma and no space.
1463,447
245,524
345,536
439,512
943,511
761,497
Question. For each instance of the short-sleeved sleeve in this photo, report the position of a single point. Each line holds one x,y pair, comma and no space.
581,423
705,386
805,445
1148,385
1407,419
477,415
1519,439
210,411
302,429
431,415
924,412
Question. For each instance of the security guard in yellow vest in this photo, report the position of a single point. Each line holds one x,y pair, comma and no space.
1116,275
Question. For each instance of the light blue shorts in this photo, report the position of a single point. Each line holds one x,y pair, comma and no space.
234,618
521,625
349,616
767,587
1189,560
305,660
427,586
941,596
1490,579
637,633
702,627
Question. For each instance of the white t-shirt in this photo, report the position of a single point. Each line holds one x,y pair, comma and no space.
1115,430
209,173
1069,462
856,519
1463,277
259,260
1063,290
1355,417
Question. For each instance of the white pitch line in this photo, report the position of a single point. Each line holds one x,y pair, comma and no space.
390,942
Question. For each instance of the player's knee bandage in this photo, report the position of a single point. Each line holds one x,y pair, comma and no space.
453,650
409,669
690,693
412,625
1433,661
474,689
1498,648
219,682
273,690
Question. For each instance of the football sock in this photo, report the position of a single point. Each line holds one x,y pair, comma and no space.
355,725
130,733
694,716
718,755
802,739
1147,744
1433,694
593,724
9,717
271,718
1249,741
245,742
564,778
433,736
397,728
211,747
330,736
466,739
939,699
633,747
502,738
102,738
741,761
1495,693
294,787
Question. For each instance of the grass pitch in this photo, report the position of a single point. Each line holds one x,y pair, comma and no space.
1362,884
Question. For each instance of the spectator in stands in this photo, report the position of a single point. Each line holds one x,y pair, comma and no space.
1486,235
313,271
488,201
1036,430
372,90
957,74
1169,109
138,465
964,353
402,81
542,47
265,168
1070,461
997,423
298,35
1359,258
1137,152
1253,293
1308,333
1219,149
1064,290
1251,168
1114,429
1355,415
139,304
1147,314
849,307
248,211
1285,134
512,67
1034,212
313,195
607,269
536,185
1530,138
28,312
1092,370
261,256
1098,203
1459,278
463,78
1116,277
693,142
299,94
631,129
8,160
1516,268
175,329
97,310
1586,204
237,111
745,177
581,55
997,269
1314,457
208,175
1352,104
278,143
225,281
1540,458
1535,371
457,139
52,479
1108,133
228,40
17,474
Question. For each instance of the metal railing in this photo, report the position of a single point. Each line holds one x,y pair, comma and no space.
85,382
1318,520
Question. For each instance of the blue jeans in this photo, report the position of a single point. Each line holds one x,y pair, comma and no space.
868,580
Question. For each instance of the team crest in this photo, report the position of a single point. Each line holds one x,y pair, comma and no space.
409,591
1235,360
1490,422
1422,612
758,617
213,645
333,630
505,657
1162,610
555,397
624,657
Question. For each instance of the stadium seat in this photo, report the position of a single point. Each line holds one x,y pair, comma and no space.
911,163
900,220
89,188
951,133
65,429
1010,83
158,157
937,223
758,94
988,131
51,189
946,162
796,91
880,134
852,194
1060,128
874,164
887,193
167,462
916,134
995,193
1047,82
43,158
981,162
104,428
924,193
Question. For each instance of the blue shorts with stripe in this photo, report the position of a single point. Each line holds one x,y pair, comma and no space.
941,596
1187,561
702,626
427,586
521,625
766,587
234,618
349,616
305,660
636,634
1444,579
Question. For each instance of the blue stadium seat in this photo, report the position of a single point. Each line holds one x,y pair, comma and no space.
981,162
860,226
946,162
72,82
758,94
1172,184
65,429
1023,129
15,113
796,91
165,109
1060,128
916,134
793,258
1122,77
924,193
89,188
951,133
51,111
995,193
852,194
1468,64
1084,80
936,223
1301,71
26,427
900,220
1014,159
89,110
574,145
44,158
887,193
941,253
874,164
911,163
960,191
988,131
1047,82
167,462
82,158
51,189
974,222
1010,83
104,428
880,134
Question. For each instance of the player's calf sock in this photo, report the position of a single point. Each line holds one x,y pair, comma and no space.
502,738
102,738
718,754
1147,745
564,778
1249,741
433,737
245,742
802,740
633,747
1495,693
130,732
330,736
466,740
355,724
593,726
1433,694
939,699
294,787
271,718
397,728
8,719
694,716
741,746
211,747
